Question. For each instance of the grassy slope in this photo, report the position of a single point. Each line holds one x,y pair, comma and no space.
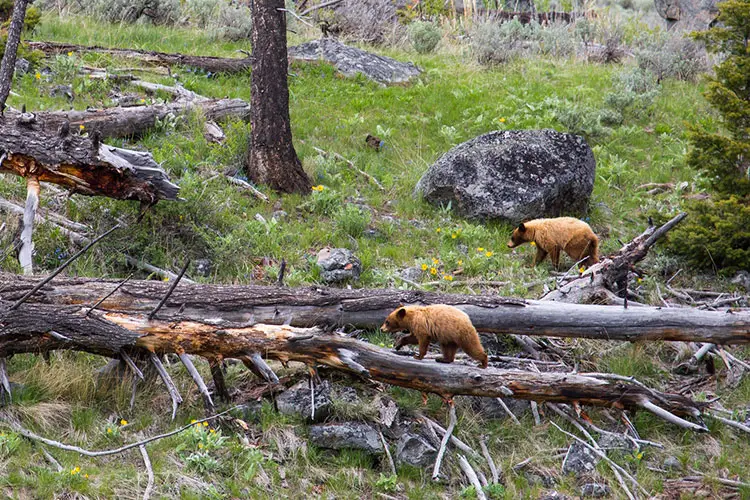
453,101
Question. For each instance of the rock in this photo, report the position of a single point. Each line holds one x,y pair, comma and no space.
345,394
672,463
742,278
687,14
203,267
411,273
491,407
22,66
413,449
595,490
296,400
542,480
339,264
579,460
62,91
613,441
279,215
350,61
355,435
513,175
553,495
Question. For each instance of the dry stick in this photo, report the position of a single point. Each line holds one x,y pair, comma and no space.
493,468
507,410
61,268
173,393
4,382
387,453
131,364
185,358
473,479
99,302
282,269
320,6
670,417
149,470
169,292
575,424
312,397
444,442
145,266
249,187
25,255
352,166
51,459
255,362
732,423
535,412
720,480
736,360
8,65
299,18
454,440
624,378
67,447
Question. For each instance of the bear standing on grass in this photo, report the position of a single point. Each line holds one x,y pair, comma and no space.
551,236
448,326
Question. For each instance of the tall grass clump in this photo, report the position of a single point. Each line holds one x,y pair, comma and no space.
424,36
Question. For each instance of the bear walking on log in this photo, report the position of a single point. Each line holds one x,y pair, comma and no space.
551,236
448,326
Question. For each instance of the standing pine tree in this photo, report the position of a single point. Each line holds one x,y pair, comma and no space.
718,231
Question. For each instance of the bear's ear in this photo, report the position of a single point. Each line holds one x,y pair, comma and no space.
401,313
522,227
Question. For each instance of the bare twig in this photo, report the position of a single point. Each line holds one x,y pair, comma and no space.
248,187
99,302
490,462
173,393
4,382
149,471
129,361
454,440
352,166
446,438
732,423
282,270
507,411
391,464
255,363
169,292
185,358
320,6
51,459
62,268
472,476
535,412
297,16
26,253
670,417
153,269
312,397
67,447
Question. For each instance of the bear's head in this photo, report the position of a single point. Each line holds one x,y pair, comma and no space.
396,321
520,235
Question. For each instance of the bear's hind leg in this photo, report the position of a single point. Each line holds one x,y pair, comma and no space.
449,353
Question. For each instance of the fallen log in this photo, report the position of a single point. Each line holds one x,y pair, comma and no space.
44,327
312,306
207,63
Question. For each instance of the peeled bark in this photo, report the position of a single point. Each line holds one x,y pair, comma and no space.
311,306
271,158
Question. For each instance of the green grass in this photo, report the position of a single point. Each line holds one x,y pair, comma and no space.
454,100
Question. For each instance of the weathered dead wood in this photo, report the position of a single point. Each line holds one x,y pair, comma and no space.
80,164
27,330
207,63
8,64
597,284
305,307
25,255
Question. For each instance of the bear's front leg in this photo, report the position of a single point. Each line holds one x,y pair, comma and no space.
408,339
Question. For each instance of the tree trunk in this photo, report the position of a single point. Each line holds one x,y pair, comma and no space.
311,306
271,158
44,327
8,65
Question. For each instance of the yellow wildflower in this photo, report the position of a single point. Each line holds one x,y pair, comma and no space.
75,470
38,75
109,430
532,244
205,424
640,280
437,230
194,421
123,422
460,262
454,236
582,269
319,187
448,277
502,120
480,249
86,476
435,261
433,271
70,54
489,254
212,431
424,267
200,445
81,126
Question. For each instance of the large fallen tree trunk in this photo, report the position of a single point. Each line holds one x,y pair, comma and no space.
311,306
43,327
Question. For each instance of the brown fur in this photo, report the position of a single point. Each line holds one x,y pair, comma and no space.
446,325
552,236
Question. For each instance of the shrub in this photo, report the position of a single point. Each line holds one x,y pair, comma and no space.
670,55
352,221
497,43
366,21
557,40
424,36
717,232
634,93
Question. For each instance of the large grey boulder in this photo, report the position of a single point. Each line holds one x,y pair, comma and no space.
351,61
297,400
513,175
355,435
687,14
